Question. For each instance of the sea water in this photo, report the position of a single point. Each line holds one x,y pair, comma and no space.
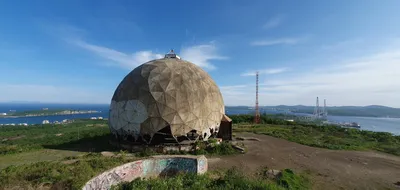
391,125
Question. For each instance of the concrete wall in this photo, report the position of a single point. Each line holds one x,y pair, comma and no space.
151,167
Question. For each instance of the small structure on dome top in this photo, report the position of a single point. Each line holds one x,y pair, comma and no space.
167,100
171,54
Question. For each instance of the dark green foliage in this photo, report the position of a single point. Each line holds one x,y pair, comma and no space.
331,137
230,179
290,180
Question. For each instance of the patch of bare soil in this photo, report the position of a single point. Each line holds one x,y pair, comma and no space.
13,138
330,169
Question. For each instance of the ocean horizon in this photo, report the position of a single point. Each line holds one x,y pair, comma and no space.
391,125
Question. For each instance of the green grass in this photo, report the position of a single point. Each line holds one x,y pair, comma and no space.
330,137
221,180
224,148
74,175
58,174
18,139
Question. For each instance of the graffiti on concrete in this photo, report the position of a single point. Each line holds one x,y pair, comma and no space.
202,164
130,171
160,166
172,166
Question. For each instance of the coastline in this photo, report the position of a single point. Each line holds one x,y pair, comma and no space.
55,114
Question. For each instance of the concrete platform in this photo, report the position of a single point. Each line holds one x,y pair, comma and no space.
161,165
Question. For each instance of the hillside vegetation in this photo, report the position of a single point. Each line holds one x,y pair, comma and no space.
331,137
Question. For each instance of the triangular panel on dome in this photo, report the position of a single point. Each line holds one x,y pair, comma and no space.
197,112
166,73
158,124
195,124
131,105
190,126
145,97
170,99
154,85
170,117
153,111
190,117
158,96
177,80
177,119
145,127
184,113
165,110
178,130
164,84
171,86
146,69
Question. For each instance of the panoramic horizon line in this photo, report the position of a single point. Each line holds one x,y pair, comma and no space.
60,103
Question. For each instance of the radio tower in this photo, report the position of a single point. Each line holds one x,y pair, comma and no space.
316,110
257,116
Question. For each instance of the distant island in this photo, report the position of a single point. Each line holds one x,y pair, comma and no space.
357,111
45,112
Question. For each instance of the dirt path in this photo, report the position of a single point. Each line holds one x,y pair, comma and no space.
330,169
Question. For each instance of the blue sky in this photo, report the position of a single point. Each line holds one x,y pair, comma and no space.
78,51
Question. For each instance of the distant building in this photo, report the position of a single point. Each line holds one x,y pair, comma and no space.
101,118
45,122
3,113
93,118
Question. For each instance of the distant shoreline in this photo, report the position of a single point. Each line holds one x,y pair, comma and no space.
43,113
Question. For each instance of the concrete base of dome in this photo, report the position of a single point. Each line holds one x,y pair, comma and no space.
163,148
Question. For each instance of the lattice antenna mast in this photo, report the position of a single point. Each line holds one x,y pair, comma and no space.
257,110
325,110
316,110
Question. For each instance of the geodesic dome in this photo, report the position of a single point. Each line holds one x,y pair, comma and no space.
167,96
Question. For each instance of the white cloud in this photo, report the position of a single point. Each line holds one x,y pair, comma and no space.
343,44
50,94
266,71
279,41
122,59
202,55
273,22
361,81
